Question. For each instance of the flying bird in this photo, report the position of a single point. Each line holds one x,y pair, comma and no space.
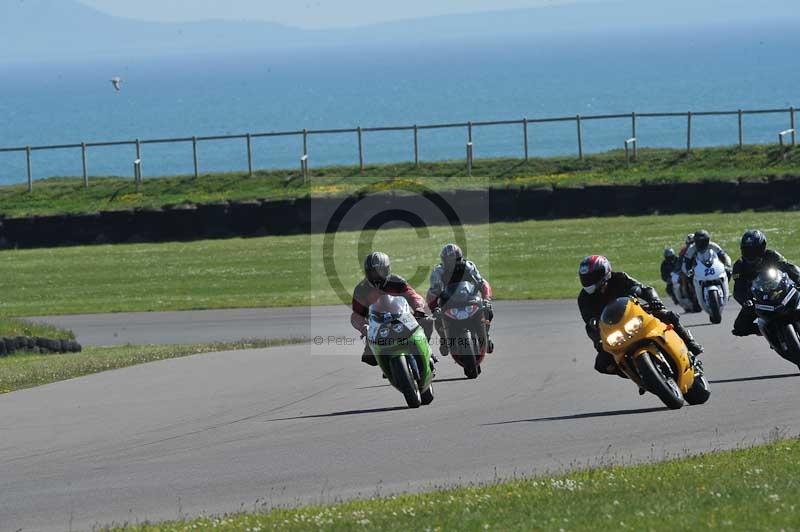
117,83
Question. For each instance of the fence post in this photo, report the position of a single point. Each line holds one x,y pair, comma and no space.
305,142
469,131
194,156
249,155
416,146
360,149
791,126
633,125
85,172
137,174
741,130
469,159
525,135
30,173
580,136
689,132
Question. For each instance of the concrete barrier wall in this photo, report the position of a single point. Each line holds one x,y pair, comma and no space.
287,217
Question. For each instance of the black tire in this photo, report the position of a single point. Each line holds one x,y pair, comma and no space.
699,392
715,307
469,357
427,395
403,378
656,383
790,335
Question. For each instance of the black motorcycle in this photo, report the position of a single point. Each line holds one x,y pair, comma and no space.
776,300
463,316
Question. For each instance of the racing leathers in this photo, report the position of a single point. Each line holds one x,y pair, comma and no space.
622,285
365,294
688,260
668,266
744,273
464,270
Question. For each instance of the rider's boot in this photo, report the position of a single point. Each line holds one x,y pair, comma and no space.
443,347
368,357
687,337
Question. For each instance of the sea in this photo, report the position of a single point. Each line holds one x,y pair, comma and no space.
721,68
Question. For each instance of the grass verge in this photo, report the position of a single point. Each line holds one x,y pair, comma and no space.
67,195
27,371
526,260
11,328
749,489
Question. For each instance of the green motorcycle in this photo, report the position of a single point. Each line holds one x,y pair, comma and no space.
401,349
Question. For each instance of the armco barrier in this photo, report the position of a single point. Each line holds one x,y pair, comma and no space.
303,215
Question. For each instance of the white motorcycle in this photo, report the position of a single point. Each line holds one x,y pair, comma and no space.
711,284
684,293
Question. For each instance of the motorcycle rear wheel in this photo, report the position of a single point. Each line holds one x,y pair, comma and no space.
659,385
404,380
700,391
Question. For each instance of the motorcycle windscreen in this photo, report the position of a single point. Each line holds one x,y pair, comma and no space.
615,311
771,287
390,311
459,293
706,258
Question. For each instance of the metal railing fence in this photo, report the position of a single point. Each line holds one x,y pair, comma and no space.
360,132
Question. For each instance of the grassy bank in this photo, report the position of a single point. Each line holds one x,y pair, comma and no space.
26,371
526,260
66,195
11,328
750,489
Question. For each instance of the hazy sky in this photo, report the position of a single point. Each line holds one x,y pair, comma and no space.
305,13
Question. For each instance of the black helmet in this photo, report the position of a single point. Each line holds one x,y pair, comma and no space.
754,245
689,239
451,255
669,253
377,268
701,240
594,272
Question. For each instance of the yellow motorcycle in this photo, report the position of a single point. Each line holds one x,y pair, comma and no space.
651,354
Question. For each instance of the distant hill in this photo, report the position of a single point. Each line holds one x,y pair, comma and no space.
36,29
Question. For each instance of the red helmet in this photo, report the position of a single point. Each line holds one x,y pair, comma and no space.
594,272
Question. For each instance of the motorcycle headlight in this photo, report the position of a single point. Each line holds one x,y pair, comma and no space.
634,325
616,338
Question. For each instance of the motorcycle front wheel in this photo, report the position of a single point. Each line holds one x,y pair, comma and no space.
404,380
657,383
715,307
469,356
790,335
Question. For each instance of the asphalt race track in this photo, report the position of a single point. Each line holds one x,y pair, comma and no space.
231,431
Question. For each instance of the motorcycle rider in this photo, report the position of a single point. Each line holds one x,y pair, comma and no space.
454,268
378,281
702,242
687,287
756,258
601,286
668,266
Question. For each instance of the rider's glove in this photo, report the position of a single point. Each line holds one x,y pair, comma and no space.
436,313
488,311
364,330
749,304
656,305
